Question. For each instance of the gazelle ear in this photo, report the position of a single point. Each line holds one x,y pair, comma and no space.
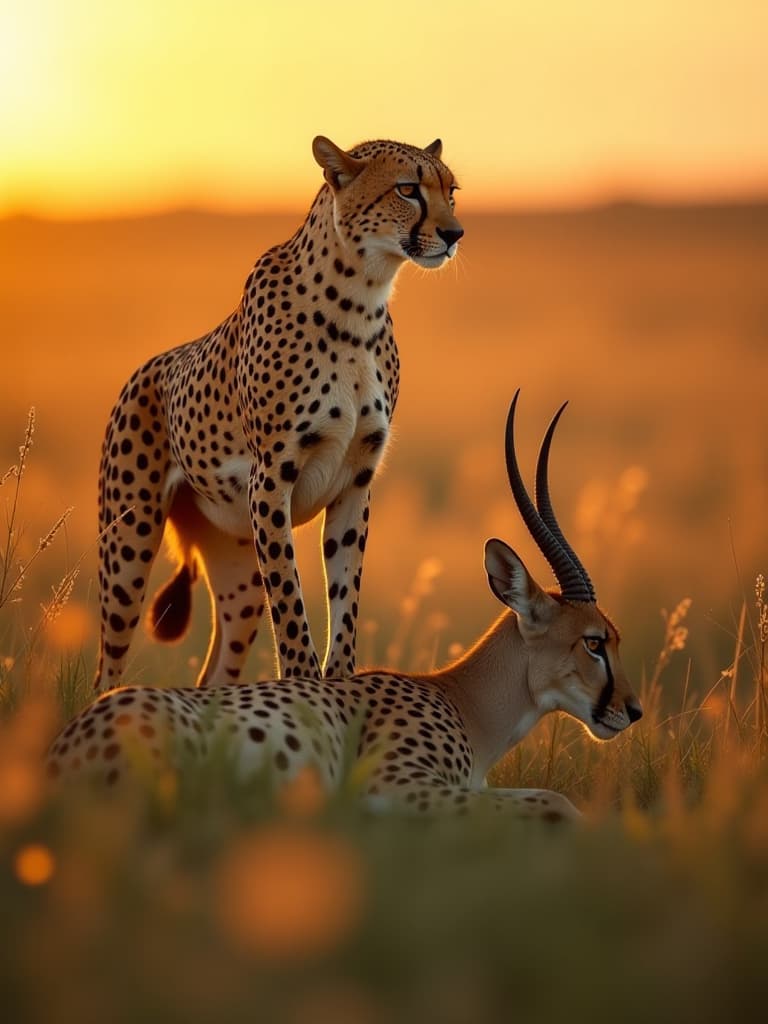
435,148
339,167
514,586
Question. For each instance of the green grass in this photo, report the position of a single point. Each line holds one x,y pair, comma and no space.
191,897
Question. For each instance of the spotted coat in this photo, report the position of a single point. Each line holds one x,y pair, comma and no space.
405,735
426,741
281,412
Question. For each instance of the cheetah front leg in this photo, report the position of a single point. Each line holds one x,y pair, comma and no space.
345,531
270,507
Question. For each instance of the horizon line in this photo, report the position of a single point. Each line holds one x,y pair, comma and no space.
726,200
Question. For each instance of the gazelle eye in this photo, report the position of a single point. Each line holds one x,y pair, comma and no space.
594,644
408,190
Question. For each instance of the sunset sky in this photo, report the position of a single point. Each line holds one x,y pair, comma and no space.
114,108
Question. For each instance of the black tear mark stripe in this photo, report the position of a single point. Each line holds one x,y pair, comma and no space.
416,229
607,691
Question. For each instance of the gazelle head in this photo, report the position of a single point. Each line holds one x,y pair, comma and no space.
572,647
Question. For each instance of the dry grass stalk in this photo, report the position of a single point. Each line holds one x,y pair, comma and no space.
675,637
762,640
13,572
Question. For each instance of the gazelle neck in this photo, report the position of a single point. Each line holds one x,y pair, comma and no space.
489,685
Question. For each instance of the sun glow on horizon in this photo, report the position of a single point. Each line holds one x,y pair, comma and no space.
120,109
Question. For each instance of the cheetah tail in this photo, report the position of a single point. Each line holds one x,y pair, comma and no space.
171,608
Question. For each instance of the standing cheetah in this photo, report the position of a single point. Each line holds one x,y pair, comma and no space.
425,741
282,411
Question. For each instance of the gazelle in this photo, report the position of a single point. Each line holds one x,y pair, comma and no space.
426,740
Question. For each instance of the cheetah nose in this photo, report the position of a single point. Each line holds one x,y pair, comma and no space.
450,236
634,711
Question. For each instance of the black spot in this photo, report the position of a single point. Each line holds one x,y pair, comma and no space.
122,596
363,478
553,817
310,440
281,760
289,473
375,440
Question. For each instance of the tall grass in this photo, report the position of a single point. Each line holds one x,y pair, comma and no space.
193,897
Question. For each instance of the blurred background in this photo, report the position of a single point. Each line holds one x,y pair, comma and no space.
614,173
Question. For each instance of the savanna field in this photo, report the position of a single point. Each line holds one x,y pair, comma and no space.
196,899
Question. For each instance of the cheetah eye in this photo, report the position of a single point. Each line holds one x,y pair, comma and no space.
594,644
408,190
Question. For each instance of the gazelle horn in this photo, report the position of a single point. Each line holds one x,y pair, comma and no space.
547,513
569,573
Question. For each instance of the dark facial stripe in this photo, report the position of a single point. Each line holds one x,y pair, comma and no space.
607,691
413,237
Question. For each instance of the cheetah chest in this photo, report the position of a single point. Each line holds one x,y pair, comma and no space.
343,452
338,450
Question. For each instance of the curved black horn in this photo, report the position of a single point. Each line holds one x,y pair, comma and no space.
566,572
547,513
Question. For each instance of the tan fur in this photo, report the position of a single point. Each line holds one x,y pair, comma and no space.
424,741
280,413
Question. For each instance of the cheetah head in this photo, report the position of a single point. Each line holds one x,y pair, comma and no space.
392,201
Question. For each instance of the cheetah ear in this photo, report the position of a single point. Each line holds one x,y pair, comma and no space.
435,148
340,168
514,586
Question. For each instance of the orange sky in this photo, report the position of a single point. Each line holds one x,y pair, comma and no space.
124,107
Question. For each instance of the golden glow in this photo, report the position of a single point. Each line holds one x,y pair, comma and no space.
113,107
34,864
285,893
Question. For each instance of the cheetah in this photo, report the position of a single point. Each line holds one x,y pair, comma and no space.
283,411
424,742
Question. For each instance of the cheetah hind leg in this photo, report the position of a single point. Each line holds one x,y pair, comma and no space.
230,569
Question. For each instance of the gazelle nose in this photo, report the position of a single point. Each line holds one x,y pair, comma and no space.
450,236
634,711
